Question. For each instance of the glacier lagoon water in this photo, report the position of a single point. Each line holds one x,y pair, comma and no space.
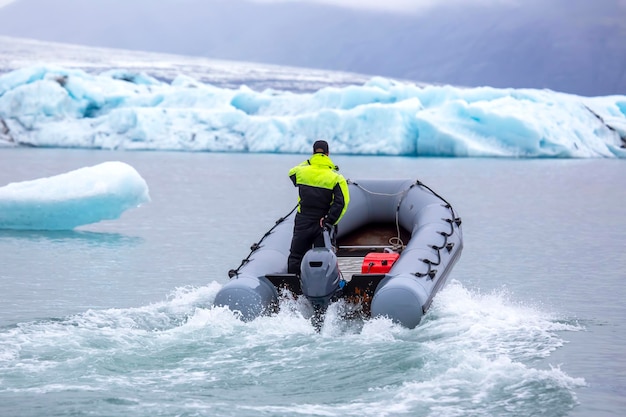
115,318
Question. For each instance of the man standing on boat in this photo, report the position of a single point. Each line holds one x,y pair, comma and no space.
323,200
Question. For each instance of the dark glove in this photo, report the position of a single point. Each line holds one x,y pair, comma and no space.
326,224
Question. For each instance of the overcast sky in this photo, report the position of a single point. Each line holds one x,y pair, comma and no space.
565,45
400,6
390,5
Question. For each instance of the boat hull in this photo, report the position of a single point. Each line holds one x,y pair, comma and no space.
404,293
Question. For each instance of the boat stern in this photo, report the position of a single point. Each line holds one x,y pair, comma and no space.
400,298
248,295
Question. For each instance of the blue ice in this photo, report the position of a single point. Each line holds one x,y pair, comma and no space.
58,107
63,202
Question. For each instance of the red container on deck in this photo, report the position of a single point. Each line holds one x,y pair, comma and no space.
378,263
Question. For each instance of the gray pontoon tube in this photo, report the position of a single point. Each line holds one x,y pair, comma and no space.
407,290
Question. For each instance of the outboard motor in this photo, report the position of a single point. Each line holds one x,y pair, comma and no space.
320,278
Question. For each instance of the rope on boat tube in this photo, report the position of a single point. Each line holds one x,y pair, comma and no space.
234,272
397,243
455,220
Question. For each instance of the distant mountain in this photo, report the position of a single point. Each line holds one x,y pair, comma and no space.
17,53
575,46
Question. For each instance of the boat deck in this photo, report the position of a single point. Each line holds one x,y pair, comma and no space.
350,266
376,237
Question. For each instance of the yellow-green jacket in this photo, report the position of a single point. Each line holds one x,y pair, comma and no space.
323,191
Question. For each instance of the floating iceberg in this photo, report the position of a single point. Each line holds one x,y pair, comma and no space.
65,201
57,107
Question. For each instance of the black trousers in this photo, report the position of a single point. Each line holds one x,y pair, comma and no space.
307,233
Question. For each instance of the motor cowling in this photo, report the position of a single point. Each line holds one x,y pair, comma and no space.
319,274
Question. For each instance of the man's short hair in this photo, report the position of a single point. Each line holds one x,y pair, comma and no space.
320,146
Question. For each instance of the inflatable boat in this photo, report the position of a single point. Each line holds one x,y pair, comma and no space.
403,236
